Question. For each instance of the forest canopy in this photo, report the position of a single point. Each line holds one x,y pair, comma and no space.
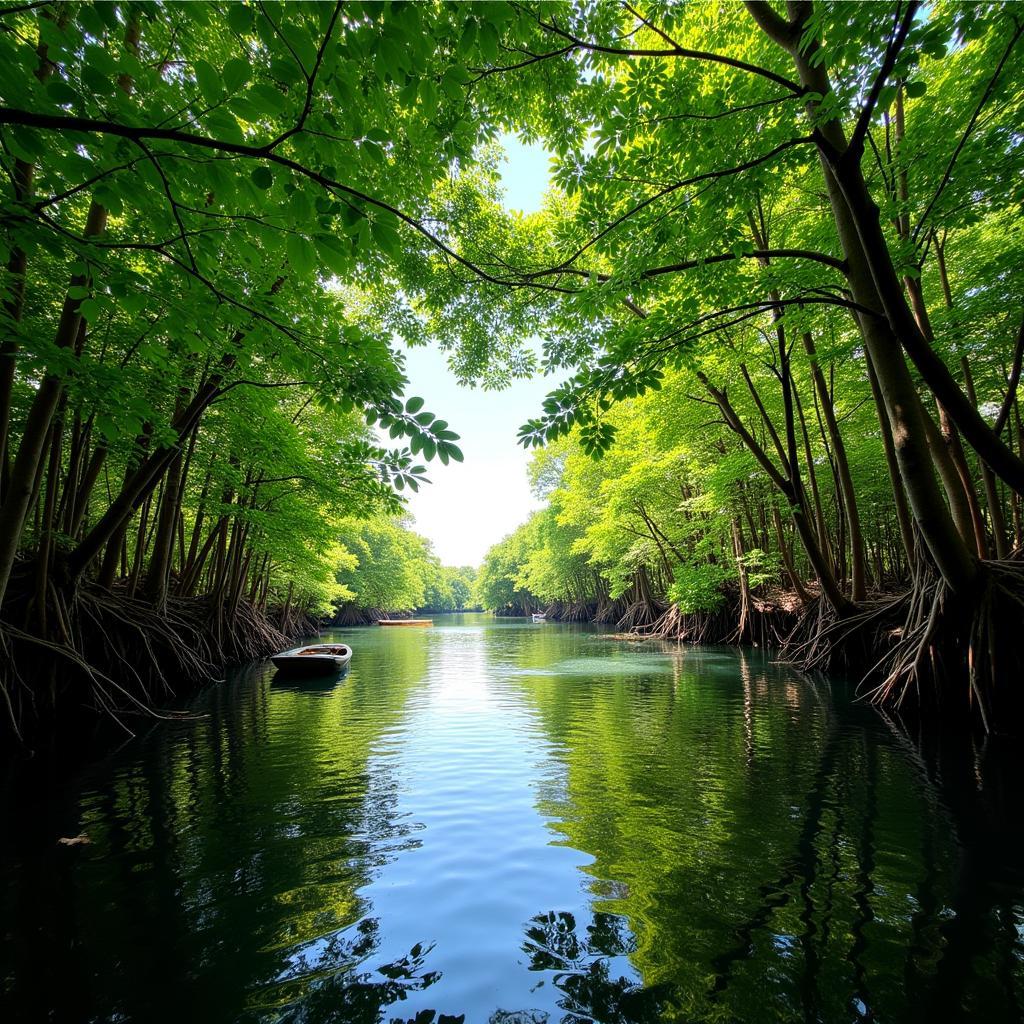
777,270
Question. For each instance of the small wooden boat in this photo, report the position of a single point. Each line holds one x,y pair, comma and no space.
540,617
313,660
405,622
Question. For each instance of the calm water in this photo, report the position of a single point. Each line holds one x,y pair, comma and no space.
519,824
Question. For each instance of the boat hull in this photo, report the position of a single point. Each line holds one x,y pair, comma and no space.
306,665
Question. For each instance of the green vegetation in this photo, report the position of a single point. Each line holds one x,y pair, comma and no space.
200,241
800,232
388,568
780,267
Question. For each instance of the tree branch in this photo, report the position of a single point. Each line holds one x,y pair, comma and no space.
725,257
1011,388
967,132
674,51
855,146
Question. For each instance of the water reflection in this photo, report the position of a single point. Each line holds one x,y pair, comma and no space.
495,822
776,853
343,993
584,969
307,684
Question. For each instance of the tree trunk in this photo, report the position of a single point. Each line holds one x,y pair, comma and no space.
869,272
859,574
787,560
37,424
789,488
14,302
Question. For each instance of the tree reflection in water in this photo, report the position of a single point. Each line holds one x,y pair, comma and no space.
584,972
350,997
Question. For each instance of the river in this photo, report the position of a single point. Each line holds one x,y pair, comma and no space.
518,823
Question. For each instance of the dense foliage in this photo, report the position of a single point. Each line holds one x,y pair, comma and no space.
779,266
199,232
386,567
801,229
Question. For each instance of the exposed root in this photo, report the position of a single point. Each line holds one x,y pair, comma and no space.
765,624
923,650
928,649
608,610
641,614
571,611
956,651
120,656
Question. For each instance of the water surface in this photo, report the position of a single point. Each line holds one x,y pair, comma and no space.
504,822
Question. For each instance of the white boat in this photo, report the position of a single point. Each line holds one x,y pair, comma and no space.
540,617
313,660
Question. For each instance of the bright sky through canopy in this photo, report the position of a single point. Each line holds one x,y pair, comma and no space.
469,507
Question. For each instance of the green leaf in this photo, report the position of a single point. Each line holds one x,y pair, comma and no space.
335,253
454,80
489,42
61,92
240,18
235,73
413,405
100,60
97,82
916,89
270,100
91,22
262,177
301,255
208,80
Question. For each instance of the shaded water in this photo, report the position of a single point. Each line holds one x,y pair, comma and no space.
518,823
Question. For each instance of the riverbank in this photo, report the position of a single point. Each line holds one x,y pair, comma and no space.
110,655
888,642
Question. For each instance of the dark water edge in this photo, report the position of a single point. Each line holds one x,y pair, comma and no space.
509,823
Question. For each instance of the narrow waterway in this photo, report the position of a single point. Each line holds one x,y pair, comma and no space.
519,823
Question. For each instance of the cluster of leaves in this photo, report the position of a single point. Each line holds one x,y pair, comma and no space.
664,497
228,201
689,246
385,566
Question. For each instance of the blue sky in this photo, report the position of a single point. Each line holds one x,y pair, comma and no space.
470,506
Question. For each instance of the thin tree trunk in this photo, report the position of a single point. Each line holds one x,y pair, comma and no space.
787,560
789,488
141,543
997,522
842,463
37,424
742,629
824,541
14,302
